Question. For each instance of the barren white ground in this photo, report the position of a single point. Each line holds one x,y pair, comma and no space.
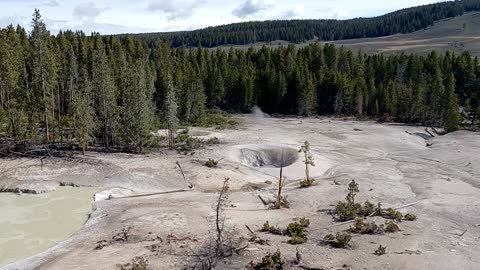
391,163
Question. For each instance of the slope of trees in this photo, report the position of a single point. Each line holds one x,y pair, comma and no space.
112,91
297,31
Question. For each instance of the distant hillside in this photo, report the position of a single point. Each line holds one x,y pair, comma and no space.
297,31
457,34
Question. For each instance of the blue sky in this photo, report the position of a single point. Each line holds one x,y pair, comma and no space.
122,16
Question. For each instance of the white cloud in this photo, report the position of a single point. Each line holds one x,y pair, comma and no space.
175,10
292,13
51,3
251,7
86,11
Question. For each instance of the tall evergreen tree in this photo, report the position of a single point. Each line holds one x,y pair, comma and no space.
83,113
170,111
42,69
104,90
137,109
452,117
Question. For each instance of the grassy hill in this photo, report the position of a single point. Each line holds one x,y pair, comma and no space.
297,31
456,34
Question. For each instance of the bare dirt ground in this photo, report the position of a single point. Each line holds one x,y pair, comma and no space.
391,162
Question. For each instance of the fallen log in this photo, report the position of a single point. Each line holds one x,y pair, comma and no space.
150,194
263,200
429,133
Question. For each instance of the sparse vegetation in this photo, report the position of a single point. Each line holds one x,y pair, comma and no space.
211,163
391,227
307,183
329,237
138,263
271,229
281,203
349,209
269,262
340,240
392,214
410,217
218,119
381,250
367,209
297,232
305,222
343,239
362,227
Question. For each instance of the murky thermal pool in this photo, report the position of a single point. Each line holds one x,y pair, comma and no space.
30,224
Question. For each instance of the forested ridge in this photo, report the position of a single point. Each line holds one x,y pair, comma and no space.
114,91
297,31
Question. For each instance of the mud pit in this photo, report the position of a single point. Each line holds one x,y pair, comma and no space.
32,223
269,156
391,163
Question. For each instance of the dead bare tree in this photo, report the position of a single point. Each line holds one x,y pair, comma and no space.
220,215
224,244
278,204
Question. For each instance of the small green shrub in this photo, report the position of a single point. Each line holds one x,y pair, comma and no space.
184,142
346,212
393,214
349,209
270,262
218,120
329,237
211,163
297,233
367,209
297,240
307,183
138,263
410,217
342,240
271,229
391,227
362,227
305,222
284,203
381,250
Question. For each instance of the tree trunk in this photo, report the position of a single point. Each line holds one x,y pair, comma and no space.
306,167
280,185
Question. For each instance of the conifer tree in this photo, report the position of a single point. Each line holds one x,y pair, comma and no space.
452,117
42,70
12,94
306,96
437,93
104,90
137,109
83,113
170,111
280,90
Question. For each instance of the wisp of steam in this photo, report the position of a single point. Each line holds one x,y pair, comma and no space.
257,113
